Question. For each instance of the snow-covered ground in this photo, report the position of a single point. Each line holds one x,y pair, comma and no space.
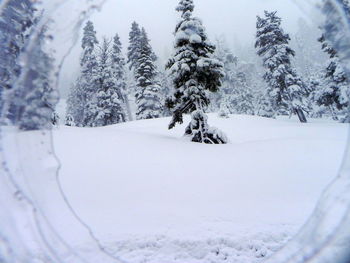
153,196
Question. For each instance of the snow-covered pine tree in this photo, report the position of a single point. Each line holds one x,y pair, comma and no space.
334,94
118,67
335,32
75,105
242,97
286,90
38,96
223,100
315,85
82,104
195,72
224,110
134,47
110,109
55,119
89,78
167,90
17,18
148,97
69,120
265,108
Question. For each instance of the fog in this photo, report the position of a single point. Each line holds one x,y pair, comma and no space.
235,20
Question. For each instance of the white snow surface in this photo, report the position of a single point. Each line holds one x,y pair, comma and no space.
152,196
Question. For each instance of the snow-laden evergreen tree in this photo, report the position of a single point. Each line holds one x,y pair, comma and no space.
224,110
335,33
134,48
286,90
195,73
69,120
89,78
110,101
17,18
242,97
82,101
38,98
55,119
148,96
167,89
75,105
265,108
118,67
335,92
316,84
224,98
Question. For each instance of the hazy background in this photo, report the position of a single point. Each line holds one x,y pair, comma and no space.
234,19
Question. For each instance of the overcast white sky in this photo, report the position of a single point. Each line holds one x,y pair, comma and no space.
235,19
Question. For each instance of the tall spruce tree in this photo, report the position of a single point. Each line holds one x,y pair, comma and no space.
118,68
109,99
195,72
285,88
89,78
74,106
335,91
148,96
167,90
224,98
134,48
82,102
242,97
17,18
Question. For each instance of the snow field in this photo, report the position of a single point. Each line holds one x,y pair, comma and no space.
153,196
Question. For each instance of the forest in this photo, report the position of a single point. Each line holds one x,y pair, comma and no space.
218,149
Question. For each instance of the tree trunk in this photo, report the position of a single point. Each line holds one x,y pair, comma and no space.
301,115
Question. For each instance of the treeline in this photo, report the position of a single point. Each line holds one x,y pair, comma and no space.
287,83
199,78
101,94
325,93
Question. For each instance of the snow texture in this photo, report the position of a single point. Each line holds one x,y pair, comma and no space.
262,188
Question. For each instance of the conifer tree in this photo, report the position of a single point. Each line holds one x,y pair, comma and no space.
316,84
17,18
224,98
134,48
147,95
55,119
75,105
334,29
224,110
242,97
264,106
334,94
195,73
110,108
89,74
82,102
167,90
286,89
118,68
69,120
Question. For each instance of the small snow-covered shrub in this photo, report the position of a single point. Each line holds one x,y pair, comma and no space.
201,132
